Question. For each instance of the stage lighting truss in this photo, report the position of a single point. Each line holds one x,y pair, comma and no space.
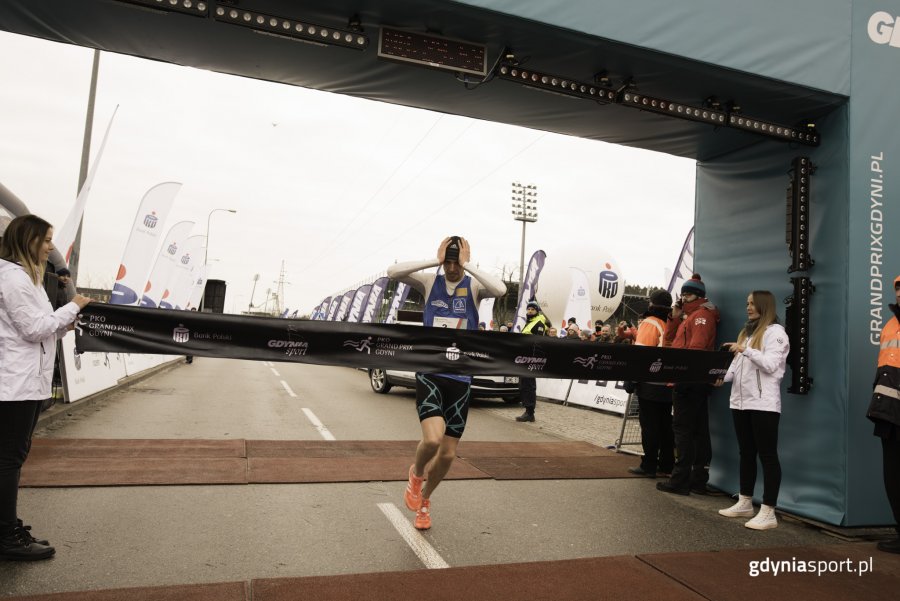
797,214
189,7
553,83
290,28
627,96
798,319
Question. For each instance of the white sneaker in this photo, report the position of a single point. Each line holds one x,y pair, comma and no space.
743,508
764,520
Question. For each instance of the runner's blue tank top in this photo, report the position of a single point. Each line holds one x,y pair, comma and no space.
456,311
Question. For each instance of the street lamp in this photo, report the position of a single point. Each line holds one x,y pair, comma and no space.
206,251
524,209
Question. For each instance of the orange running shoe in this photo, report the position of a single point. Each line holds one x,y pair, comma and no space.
423,515
413,494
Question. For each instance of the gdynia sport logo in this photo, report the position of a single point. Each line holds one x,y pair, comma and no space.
884,28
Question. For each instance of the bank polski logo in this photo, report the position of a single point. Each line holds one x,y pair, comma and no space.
186,259
150,220
452,353
581,291
360,345
173,248
181,334
609,282
656,366
884,29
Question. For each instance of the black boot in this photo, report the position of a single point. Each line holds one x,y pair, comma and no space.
28,534
528,416
889,546
16,545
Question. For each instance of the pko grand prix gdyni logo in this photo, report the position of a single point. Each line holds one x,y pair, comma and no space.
884,28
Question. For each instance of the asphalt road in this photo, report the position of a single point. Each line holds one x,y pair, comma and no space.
135,536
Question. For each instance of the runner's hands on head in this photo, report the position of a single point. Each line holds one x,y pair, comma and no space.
465,252
81,301
442,250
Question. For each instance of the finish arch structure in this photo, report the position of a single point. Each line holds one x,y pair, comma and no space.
834,64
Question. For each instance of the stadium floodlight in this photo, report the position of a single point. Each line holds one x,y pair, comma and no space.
188,7
294,29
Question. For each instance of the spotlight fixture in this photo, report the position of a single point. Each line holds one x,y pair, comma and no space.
555,83
188,7
300,30
797,322
797,214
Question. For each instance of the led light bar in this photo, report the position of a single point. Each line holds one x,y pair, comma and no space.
629,98
553,83
674,109
797,230
804,136
189,7
291,28
798,317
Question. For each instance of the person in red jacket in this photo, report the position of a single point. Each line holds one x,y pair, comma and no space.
693,325
884,410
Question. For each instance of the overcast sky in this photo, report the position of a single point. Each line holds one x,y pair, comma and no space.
336,187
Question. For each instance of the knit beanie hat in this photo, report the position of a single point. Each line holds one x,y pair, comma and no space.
452,253
694,286
661,298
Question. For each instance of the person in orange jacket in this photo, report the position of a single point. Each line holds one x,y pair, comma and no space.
693,325
654,398
884,410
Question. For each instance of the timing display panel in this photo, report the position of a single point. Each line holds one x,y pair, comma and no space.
432,51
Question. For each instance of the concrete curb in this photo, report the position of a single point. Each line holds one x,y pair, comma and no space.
61,411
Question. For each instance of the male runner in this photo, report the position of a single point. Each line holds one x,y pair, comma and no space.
442,400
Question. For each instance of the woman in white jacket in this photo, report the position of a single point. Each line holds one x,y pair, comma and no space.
29,329
760,355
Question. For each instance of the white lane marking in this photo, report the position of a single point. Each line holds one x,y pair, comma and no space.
274,371
424,551
318,425
267,363
288,388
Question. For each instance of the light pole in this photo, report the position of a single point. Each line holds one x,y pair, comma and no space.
206,251
524,209
208,218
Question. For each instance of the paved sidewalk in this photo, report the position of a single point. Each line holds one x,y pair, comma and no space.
569,422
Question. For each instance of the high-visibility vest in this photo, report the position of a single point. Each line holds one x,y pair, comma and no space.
539,318
890,344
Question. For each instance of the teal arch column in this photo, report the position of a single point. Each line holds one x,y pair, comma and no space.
831,461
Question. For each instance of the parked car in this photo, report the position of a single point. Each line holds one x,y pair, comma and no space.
483,387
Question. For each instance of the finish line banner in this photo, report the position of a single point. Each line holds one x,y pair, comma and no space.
124,329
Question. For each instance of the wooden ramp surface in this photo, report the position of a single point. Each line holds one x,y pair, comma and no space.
706,576
134,462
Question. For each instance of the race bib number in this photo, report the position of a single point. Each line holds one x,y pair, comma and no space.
455,323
